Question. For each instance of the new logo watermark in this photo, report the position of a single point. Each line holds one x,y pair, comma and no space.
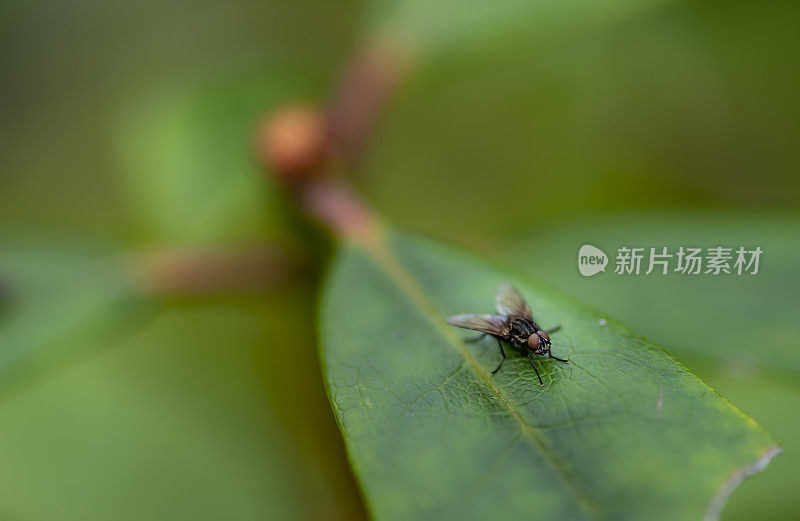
718,260
591,260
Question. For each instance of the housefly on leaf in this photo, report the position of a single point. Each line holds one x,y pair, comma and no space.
514,325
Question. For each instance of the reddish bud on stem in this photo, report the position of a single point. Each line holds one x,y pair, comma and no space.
293,142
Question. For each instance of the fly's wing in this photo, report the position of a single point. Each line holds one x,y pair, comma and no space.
511,303
491,324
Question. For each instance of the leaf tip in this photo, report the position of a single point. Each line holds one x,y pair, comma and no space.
721,497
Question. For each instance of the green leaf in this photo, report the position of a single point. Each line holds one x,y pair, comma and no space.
453,24
770,495
56,300
190,391
708,310
623,432
189,171
178,422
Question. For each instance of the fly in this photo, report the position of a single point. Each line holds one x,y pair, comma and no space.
514,325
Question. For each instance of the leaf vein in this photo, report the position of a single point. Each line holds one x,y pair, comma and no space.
408,285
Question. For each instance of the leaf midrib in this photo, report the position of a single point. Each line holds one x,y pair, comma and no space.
391,266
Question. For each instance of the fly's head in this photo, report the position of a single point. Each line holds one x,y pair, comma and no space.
539,343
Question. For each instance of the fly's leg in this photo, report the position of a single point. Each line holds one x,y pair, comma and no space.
500,345
550,353
530,357
474,339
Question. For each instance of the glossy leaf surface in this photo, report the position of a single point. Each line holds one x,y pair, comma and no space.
623,432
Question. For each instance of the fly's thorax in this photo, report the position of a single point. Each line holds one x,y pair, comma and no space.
520,331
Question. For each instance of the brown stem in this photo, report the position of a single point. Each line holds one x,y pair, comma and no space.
338,207
209,271
365,87
298,144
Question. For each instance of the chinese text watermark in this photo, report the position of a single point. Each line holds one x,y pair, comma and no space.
718,260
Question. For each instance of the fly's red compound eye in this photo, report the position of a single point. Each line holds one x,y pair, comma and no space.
544,336
533,342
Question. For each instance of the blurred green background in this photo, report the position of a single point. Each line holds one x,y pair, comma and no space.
524,130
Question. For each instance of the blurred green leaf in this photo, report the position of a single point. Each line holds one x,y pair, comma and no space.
744,322
55,299
677,108
190,168
624,431
447,24
178,422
